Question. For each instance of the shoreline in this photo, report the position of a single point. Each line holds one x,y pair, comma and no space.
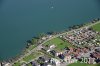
54,36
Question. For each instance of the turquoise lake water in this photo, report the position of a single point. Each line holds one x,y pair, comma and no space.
20,20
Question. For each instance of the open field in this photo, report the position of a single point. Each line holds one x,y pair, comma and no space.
17,64
28,58
59,43
97,27
32,56
83,64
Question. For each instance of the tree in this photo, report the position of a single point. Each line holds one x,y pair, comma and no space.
34,40
41,35
29,41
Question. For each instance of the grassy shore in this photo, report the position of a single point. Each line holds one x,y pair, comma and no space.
31,57
28,58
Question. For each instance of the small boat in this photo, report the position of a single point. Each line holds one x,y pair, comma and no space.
52,7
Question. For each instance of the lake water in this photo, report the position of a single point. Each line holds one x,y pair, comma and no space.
20,20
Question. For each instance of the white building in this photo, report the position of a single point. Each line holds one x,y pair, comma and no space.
7,64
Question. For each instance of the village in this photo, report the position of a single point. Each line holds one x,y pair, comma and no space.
80,46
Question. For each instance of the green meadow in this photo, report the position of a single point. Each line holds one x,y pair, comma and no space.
83,64
59,43
96,27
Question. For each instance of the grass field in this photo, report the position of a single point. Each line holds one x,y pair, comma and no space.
29,58
29,64
97,27
17,64
59,43
32,56
31,47
83,64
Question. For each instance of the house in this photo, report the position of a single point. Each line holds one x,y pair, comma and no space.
0,64
61,56
33,63
98,50
52,46
55,61
53,52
